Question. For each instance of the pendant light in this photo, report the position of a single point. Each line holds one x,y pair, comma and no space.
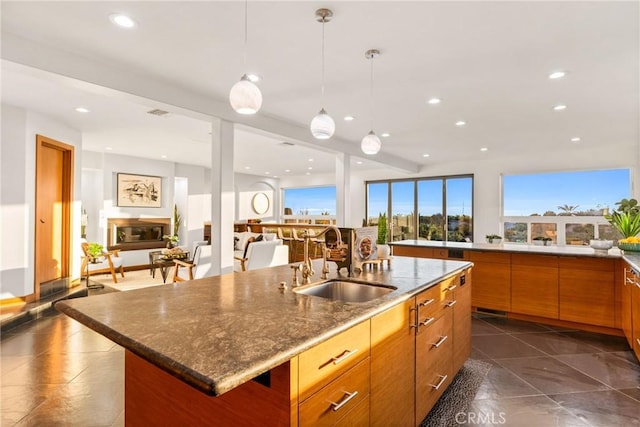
322,126
371,143
245,97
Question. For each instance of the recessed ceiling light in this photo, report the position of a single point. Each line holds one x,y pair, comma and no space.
311,160
164,156
358,162
425,155
287,170
576,139
434,101
349,118
267,173
461,123
108,148
122,20
82,110
254,78
247,167
308,173
560,107
275,176
484,149
310,168
385,135
557,75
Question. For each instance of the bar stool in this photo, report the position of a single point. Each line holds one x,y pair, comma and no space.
288,240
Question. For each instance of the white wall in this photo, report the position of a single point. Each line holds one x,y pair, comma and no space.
19,129
487,178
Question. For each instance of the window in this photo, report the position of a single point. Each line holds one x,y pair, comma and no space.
566,206
310,204
444,207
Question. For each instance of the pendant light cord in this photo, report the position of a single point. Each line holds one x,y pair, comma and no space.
322,97
246,6
372,91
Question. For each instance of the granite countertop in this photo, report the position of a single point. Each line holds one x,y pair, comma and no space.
568,250
219,332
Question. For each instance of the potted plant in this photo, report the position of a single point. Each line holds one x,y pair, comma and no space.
542,241
626,219
494,238
171,240
384,250
94,251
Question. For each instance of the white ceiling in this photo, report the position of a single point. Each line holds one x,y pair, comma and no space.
488,61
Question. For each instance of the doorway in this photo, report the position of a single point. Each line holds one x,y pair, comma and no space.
54,199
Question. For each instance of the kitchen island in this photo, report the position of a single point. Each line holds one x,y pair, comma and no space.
236,349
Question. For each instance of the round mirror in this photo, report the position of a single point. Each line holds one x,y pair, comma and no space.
260,203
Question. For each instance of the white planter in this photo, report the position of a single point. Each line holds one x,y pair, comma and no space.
384,251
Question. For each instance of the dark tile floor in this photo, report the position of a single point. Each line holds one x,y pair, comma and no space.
56,372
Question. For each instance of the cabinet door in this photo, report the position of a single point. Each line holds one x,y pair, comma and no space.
534,285
393,366
413,251
462,321
587,291
491,280
635,314
624,289
434,362
321,364
338,399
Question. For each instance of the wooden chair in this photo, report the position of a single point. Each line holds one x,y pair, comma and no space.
197,268
109,263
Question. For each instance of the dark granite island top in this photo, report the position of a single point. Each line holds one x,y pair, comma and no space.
219,332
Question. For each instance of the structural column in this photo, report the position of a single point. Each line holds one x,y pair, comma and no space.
343,189
222,196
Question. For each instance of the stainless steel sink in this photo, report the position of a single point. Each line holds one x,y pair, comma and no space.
346,291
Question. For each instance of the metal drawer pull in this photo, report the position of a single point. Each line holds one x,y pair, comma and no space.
451,303
443,378
440,341
450,288
341,358
638,340
427,321
427,302
348,396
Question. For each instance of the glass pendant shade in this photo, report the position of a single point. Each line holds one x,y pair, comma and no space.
370,143
245,97
322,126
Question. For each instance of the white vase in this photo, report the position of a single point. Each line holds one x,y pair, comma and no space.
384,251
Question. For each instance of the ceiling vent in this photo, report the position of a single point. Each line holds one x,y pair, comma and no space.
287,144
158,112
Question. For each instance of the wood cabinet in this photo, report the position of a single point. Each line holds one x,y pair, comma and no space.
413,251
624,290
635,315
416,351
491,280
392,366
587,290
534,285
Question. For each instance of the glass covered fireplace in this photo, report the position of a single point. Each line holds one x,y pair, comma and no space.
137,233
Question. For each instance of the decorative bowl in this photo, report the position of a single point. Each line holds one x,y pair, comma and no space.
631,247
601,244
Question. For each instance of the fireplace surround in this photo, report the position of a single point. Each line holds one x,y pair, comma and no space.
137,233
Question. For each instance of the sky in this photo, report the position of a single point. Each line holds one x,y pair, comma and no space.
523,194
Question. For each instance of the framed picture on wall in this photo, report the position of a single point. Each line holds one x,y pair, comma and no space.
139,191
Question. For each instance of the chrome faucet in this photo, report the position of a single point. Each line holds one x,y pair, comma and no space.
306,266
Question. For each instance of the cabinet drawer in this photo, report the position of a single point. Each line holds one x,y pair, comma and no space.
437,337
534,260
587,263
324,362
435,301
338,398
492,257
